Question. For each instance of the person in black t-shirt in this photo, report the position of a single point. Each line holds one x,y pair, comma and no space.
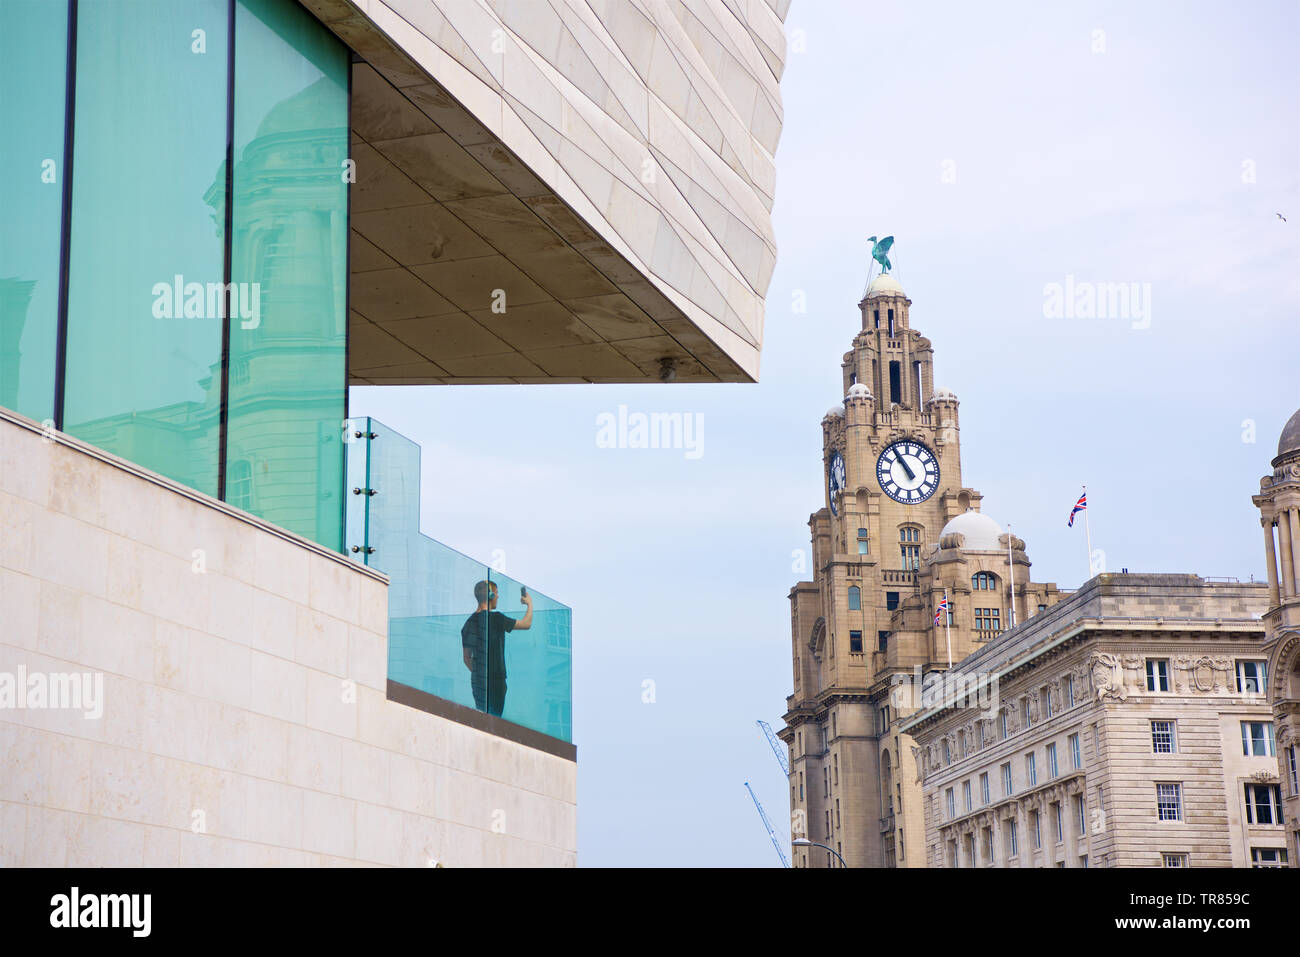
483,639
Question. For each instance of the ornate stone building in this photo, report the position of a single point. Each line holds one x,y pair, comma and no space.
1129,728
898,532
1279,506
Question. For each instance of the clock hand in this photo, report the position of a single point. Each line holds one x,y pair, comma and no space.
903,460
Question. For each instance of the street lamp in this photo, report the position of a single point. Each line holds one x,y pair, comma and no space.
804,842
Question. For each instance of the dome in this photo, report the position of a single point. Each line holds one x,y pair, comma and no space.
884,285
858,390
980,532
1289,442
942,394
834,410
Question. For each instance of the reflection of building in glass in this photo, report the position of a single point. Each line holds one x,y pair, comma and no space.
15,297
284,446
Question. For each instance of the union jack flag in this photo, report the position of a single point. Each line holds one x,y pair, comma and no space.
1079,506
943,606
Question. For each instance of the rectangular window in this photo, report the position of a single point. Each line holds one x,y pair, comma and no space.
1169,859
1036,828
147,249
947,752
1068,685
1031,769
1251,676
862,541
884,719
855,642
1263,804
965,794
895,380
1051,761
1076,752
1006,779
951,802
1025,722
1295,773
290,210
1002,724
1268,857
1157,674
33,60
1058,827
1047,702
882,640
835,767
1013,845
1257,739
1162,737
1169,802
891,600
838,823
1079,814
984,788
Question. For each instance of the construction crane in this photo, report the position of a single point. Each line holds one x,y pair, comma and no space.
777,749
785,861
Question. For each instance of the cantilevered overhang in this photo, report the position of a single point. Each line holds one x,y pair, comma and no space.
601,169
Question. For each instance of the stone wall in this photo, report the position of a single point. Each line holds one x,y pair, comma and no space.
244,711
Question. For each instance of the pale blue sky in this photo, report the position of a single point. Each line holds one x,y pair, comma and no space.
1120,166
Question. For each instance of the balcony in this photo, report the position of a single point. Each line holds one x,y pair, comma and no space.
443,638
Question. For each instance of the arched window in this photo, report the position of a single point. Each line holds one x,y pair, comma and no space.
984,581
855,598
909,538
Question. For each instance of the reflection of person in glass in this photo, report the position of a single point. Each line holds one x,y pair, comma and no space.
483,638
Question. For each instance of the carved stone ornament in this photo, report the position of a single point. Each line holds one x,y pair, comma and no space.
1264,777
1107,677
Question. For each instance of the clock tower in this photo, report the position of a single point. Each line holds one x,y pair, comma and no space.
897,533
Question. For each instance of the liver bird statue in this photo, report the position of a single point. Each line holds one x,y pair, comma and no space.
880,251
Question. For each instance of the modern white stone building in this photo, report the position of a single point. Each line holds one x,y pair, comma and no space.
225,640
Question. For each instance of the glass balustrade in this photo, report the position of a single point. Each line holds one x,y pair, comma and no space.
457,628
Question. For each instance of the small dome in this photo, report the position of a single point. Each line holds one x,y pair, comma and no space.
884,285
834,410
1289,442
980,532
943,394
858,390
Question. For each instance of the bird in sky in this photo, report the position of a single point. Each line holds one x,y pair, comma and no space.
1281,217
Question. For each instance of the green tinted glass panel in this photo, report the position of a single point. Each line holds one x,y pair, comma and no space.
144,314
439,639
288,338
33,67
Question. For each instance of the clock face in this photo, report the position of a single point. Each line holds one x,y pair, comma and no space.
835,479
908,472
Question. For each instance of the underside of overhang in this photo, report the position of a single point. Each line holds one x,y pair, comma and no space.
466,268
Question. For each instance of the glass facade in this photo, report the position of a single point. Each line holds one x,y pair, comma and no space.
207,344
441,638
288,336
33,60
143,376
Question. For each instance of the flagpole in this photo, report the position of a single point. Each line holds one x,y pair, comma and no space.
947,624
1088,533
1011,568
